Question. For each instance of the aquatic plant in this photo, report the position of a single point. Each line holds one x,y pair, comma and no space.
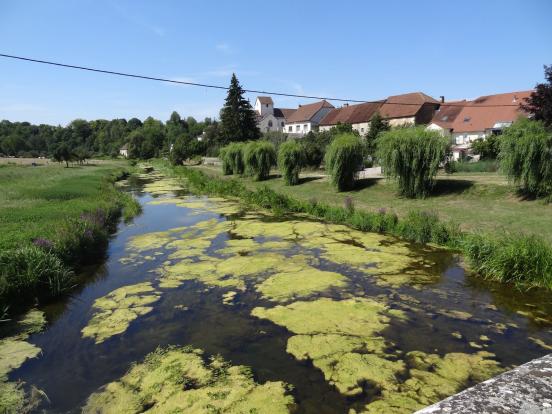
343,159
14,351
526,156
116,310
291,158
412,155
414,228
178,380
259,158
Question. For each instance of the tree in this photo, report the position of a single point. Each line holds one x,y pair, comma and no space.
259,157
539,104
238,119
377,126
412,155
232,158
487,148
291,158
526,156
343,159
63,153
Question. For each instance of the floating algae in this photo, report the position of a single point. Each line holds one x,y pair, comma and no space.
14,351
432,378
342,338
162,186
228,297
118,309
219,205
178,380
284,286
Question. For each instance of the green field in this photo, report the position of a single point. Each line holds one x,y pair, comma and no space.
476,201
35,201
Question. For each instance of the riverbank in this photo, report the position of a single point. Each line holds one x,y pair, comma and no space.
52,221
524,260
475,201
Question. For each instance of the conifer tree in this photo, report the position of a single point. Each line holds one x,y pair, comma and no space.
238,119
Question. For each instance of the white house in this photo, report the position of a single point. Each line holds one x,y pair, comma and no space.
123,151
306,118
268,117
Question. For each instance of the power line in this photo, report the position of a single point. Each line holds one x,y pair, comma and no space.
205,85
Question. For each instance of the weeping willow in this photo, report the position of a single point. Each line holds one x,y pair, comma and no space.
343,159
259,157
232,158
291,158
412,156
526,157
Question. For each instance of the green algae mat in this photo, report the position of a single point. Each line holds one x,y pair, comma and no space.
204,306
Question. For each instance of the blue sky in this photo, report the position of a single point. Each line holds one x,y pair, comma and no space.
352,49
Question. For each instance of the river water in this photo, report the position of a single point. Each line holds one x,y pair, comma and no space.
427,301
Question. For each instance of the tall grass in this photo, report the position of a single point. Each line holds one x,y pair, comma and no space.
476,167
526,157
291,158
343,159
259,158
412,155
523,260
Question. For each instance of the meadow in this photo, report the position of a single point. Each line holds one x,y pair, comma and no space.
53,220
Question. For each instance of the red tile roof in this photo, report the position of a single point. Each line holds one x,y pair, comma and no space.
352,114
265,100
283,112
413,103
306,112
446,115
478,116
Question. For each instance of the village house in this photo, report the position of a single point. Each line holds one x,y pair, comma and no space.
358,116
306,118
467,121
270,118
414,108
123,151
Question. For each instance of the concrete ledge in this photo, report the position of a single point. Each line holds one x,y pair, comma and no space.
526,389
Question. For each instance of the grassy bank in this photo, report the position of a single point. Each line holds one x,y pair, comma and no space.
477,202
53,220
525,260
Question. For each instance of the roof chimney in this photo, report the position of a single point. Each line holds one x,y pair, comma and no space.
442,99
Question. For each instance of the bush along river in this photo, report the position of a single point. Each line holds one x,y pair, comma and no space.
203,307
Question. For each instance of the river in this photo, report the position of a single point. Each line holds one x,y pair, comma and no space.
350,320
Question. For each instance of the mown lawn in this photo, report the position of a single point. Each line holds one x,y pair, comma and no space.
34,201
476,201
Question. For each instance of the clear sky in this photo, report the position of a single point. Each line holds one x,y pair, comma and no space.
352,49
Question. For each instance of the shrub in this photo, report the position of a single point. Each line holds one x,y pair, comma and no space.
343,158
412,155
30,272
526,157
524,260
232,158
291,158
479,166
259,157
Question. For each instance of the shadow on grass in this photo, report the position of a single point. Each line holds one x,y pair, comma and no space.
304,180
364,183
447,187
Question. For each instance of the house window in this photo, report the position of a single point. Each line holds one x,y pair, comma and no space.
266,105
297,128
305,127
270,124
282,124
290,128
362,130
